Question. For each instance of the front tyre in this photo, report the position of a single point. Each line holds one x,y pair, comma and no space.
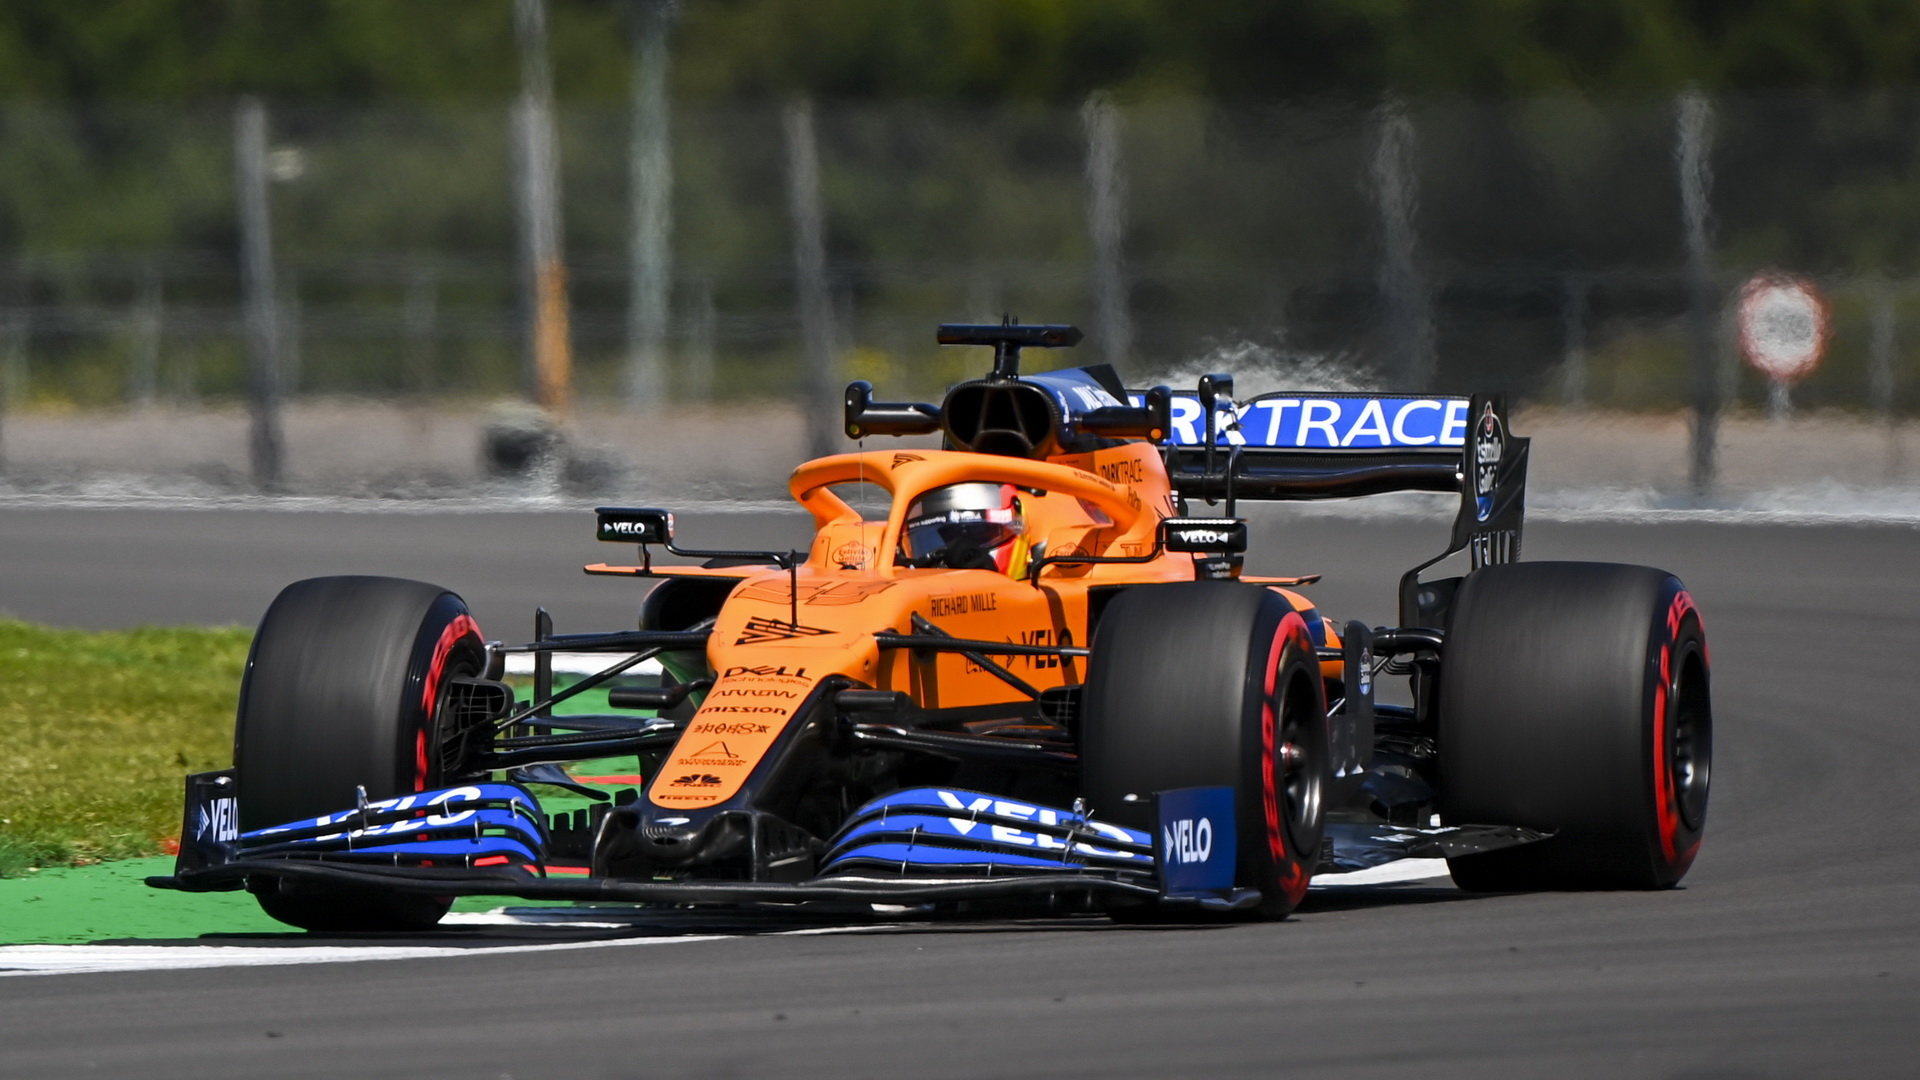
345,688
1207,684
1574,697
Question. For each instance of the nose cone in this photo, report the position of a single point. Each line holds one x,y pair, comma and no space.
673,838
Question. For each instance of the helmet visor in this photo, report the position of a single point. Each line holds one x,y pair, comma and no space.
984,530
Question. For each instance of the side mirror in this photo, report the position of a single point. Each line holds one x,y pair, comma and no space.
1150,420
634,525
1204,536
865,416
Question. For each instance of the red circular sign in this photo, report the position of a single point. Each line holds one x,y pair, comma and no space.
1784,324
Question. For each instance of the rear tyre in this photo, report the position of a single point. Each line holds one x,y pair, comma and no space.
345,688
1212,684
1574,697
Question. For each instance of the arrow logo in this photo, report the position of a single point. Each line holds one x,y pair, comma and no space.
760,630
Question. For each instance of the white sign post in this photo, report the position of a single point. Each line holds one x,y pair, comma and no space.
1784,324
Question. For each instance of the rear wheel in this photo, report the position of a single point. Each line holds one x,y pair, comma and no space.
1212,684
1574,697
345,688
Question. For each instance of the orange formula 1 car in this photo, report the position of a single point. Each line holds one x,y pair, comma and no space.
1033,680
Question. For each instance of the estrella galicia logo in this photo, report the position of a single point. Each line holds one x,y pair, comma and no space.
696,780
1489,445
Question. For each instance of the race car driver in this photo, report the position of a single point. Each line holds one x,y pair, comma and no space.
972,526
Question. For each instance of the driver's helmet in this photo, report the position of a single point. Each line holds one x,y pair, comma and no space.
975,526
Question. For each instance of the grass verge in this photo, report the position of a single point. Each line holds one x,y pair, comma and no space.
104,726
101,727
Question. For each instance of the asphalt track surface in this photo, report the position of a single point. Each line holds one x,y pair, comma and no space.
1793,950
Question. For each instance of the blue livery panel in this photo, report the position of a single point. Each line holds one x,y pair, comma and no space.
1197,840
946,828
474,824
1305,421
907,857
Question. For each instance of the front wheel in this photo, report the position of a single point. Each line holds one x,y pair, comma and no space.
346,688
1208,684
1574,698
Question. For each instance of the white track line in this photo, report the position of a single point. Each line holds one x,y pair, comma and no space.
74,959
83,959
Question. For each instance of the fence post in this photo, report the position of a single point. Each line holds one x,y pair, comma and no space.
700,339
148,319
550,351
16,328
292,328
422,314
1107,222
1573,322
1396,189
257,288
821,410
1693,144
1881,348
650,181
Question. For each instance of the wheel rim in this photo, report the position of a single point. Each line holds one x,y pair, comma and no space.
1298,779
453,727
1690,757
441,746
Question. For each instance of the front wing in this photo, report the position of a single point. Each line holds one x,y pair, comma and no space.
922,845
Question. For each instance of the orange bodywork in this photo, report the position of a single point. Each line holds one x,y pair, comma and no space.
780,633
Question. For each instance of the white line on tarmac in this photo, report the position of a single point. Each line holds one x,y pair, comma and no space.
82,959
74,959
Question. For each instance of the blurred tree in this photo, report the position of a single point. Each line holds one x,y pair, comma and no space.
952,160
114,50
960,50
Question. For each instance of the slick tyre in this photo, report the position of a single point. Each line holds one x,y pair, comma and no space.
344,688
1574,697
1212,684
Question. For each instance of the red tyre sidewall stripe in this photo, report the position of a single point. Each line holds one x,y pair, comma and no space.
459,627
1666,811
1293,875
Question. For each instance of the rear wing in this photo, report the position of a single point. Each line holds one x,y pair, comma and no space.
1292,445
1284,445
1303,445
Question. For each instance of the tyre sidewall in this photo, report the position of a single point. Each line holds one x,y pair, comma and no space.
344,683
345,688
1558,712
1178,696
1281,848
